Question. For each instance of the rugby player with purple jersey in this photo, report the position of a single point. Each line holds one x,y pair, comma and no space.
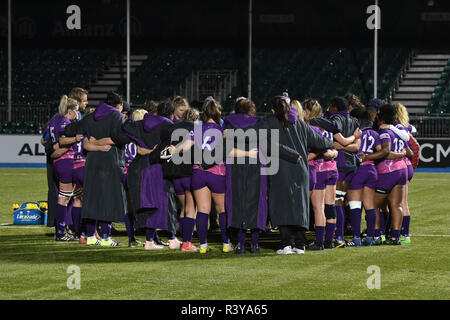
345,131
362,185
324,188
63,165
208,181
402,123
392,174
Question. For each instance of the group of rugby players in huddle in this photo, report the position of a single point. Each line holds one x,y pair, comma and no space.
358,157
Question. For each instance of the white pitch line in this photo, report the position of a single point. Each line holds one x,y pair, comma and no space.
431,235
8,225
14,174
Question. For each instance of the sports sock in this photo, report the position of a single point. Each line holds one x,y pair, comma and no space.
223,227
382,223
181,223
202,226
395,234
330,228
405,225
242,234
371,217
255,237
76,219
320,231
68,218
355,218
171,236
188,229
340,217
105,229
60,217
149,234
347,216
384,218
129,225
91,225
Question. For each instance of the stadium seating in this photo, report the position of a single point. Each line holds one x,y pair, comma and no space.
440,98
162,73
42,76
20,127
303,72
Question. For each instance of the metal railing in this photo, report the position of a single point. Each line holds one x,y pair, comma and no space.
431,126
26,113
204,83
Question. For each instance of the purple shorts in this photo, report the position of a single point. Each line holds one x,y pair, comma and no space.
365,176
387,181
326,178
345,176
201,179
182,185
63,170
312,177
78,177
410,172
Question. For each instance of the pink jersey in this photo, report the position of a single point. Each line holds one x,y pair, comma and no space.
397,145
407,129
322,164
218,169
79,159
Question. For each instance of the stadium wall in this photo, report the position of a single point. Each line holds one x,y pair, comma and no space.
434,155
26,151
224,22
22,151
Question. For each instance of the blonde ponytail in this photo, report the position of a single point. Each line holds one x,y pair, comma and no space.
67,104
62,109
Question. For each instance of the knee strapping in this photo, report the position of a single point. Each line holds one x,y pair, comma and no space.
78,193
65,194
355,205
330,211
340,195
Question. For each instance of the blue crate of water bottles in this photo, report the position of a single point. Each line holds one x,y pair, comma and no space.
30,213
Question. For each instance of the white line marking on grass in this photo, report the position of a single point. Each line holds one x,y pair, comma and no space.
431,235
429,179
8,225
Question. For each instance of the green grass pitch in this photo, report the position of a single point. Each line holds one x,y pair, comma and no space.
33,266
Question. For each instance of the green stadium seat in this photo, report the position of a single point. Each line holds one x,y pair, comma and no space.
431,108
439,90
